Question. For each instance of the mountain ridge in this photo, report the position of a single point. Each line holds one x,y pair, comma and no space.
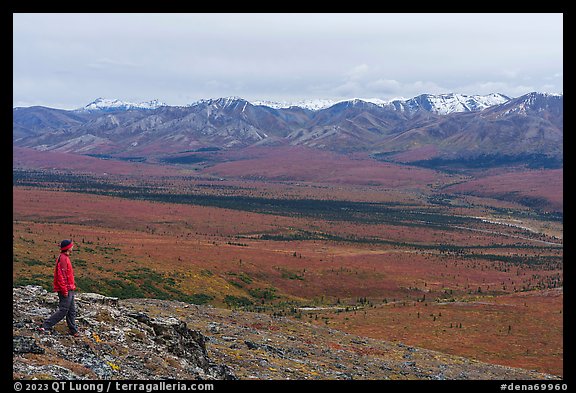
453,126
108,104
478,102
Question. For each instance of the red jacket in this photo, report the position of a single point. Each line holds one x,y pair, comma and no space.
64,275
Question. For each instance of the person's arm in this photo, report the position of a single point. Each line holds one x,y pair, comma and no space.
61,277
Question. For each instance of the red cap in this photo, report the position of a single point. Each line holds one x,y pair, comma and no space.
66,245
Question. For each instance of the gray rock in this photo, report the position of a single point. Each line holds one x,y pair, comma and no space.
115,342
141,339
22,344
94,298
251,345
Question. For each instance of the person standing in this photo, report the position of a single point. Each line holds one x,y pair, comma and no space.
66,288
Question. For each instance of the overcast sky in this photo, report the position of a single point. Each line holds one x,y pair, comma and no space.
68,60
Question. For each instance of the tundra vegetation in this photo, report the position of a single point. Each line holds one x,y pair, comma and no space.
446,265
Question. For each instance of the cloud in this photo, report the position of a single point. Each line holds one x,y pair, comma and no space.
387,85
366,84
105,62
511,74
503,87
281,56
358,72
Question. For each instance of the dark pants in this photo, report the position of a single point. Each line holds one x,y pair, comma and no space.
66,308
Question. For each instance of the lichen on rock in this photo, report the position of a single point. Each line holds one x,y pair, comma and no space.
114,342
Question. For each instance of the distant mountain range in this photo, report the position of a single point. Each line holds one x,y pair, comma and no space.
433,130
440,104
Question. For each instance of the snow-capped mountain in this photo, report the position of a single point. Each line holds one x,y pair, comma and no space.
223,102
110,104
313,105
317,104
444,104
446,126
535,102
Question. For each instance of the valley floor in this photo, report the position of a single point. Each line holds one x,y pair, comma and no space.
397,268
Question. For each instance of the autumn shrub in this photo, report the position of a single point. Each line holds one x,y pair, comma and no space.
237,301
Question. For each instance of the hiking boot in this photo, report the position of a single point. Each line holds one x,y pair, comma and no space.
44,330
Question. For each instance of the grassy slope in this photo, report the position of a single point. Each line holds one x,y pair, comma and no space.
208,254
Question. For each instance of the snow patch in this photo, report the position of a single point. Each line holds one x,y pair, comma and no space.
106,104
441,104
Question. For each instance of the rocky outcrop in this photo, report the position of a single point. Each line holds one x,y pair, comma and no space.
160,339
114,343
